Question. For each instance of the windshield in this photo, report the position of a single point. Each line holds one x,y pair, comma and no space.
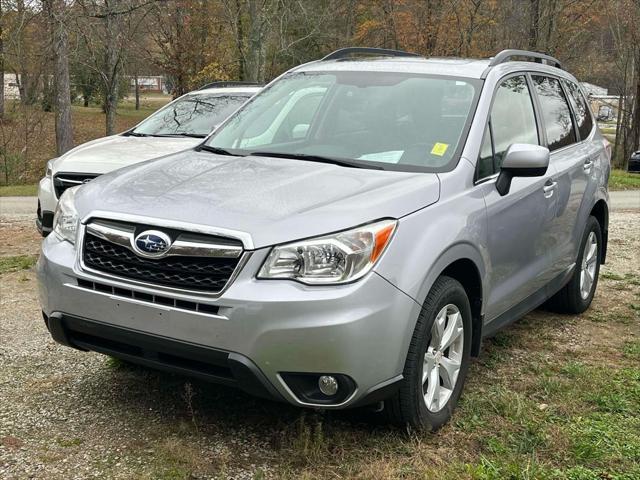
387,119
194,114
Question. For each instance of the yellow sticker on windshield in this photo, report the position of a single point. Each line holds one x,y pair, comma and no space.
439,149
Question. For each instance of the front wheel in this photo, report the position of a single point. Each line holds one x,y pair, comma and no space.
437,361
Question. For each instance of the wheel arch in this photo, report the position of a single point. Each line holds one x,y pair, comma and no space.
464,263
600,211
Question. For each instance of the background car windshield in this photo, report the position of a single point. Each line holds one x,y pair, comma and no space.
195,114
387,118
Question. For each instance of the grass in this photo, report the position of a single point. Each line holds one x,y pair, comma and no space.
621,180
16,263
541,412
18,190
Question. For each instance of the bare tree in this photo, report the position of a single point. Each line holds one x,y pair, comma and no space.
106,27
624,16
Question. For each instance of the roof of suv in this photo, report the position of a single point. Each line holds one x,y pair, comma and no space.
459,67
411,63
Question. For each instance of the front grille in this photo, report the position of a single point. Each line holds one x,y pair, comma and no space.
199,273
203,308
62,181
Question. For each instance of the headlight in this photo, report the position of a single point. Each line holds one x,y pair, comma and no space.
337,258
49,170
65,220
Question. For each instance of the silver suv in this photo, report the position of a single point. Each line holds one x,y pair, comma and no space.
346,238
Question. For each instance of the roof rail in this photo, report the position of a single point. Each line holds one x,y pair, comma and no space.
506,55
382,52
226,84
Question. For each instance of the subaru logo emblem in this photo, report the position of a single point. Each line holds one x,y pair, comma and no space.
152,243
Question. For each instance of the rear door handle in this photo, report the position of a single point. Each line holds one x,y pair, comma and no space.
549,188
587,165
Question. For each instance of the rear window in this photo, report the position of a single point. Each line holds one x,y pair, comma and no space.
556,114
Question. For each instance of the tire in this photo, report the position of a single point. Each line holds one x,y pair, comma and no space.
571,298
408,406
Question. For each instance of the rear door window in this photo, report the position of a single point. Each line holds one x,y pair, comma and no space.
580,109
556,115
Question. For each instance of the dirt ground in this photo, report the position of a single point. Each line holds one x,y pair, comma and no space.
551,397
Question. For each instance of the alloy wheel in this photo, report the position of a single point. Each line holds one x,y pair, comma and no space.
588,266
443,358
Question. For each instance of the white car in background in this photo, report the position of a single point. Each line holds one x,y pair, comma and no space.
180,125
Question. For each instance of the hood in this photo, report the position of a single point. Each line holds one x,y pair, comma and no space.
110,153
273,200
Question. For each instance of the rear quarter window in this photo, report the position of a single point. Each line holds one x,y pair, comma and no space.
580,109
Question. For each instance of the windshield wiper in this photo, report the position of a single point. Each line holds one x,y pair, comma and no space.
219,151
168,135
186,134
343,162
135,134
177,135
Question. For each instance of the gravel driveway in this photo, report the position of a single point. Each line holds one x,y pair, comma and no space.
68,414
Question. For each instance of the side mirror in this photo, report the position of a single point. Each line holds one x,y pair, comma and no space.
521,160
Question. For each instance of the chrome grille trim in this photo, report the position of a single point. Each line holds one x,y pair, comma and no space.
64,180
184,245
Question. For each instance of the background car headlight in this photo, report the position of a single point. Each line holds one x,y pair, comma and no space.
65,220
49,170
337,258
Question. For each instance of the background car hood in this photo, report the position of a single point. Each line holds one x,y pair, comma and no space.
273,200
109,153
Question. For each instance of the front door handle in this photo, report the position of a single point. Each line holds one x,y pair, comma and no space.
549,188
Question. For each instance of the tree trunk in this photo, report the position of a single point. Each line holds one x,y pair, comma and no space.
62,98
112,72
256,51
634,143
21,76
135,79
111,106
616,145
240,42
534,24
181,51
390,34
1,64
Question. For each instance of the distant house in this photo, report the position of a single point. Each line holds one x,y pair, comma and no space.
155,84
11,82
603,105
591,89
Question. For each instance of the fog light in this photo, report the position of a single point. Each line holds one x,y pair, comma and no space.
328,385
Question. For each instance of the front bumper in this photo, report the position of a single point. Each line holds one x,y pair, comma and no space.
361,330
